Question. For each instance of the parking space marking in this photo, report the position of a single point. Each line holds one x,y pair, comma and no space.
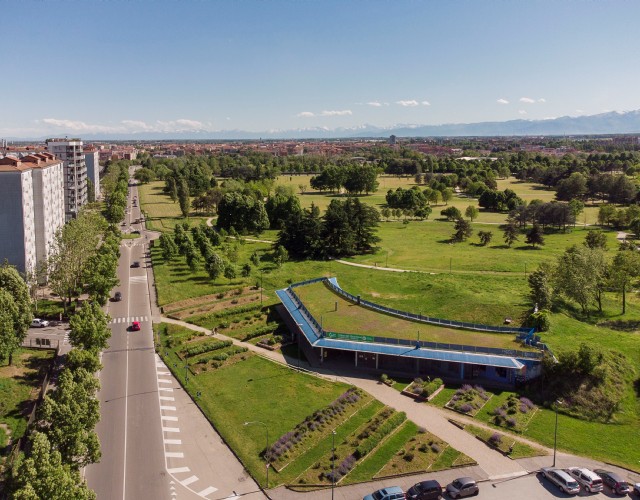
174,454
171,429
169,418
173,441
168,408
189,480
207,491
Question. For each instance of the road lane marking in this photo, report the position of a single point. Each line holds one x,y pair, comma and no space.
168,408
164,373
171,429
173,441
207,491
178,470
164,381
189,480
166,389
174,454
167,398
169,418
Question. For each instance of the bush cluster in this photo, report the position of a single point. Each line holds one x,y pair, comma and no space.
263,330
206,347
468,398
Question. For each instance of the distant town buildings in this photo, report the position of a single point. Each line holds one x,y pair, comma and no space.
31,209
75,173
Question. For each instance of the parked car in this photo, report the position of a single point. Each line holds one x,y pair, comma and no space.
425,490
135,264
636,489
463,487
39,323
55,323
390,493
614,481
562,480
117,297
587,478
135,326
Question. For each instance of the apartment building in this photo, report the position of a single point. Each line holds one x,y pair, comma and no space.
92,160
75,173
31,209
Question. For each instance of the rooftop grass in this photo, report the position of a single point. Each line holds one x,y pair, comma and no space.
351,318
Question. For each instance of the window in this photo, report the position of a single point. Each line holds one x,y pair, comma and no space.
501,372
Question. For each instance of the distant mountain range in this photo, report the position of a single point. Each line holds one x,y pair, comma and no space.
613,122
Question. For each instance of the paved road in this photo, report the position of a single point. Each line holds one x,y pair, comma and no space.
155,442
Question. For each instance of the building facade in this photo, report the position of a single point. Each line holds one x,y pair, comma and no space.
75,173
92,160
31,209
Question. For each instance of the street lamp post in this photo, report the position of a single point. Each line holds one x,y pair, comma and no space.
555,434
333,461
260,286
266,449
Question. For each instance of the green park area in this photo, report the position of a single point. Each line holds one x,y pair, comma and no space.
19,387
462,281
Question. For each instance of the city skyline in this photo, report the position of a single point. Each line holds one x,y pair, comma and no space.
143,67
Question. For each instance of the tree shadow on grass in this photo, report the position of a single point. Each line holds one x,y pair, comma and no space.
527,247
500,247
636,386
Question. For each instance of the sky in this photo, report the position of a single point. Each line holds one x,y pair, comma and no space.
130,66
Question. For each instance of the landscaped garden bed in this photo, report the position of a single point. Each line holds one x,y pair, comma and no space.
515,414
468,399
504,443
423,390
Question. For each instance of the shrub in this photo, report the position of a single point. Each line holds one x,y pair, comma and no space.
206,347
435,448
465,408
495,439
408,456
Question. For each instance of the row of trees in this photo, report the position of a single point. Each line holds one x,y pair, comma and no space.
414,198
115,186
64,440
353,178
583,273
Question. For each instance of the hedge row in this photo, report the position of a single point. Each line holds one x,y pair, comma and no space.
226,312
206,347
381,432
222,356
263,330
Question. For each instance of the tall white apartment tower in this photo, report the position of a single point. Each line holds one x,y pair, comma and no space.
31,209
75,173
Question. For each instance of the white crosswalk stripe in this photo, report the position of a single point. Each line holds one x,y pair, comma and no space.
138,279
129,319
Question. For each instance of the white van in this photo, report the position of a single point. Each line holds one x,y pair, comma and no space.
587,478
562,480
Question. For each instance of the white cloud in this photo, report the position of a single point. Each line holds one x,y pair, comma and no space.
542,99
502,101
305,114
528,100
425,103
406,104
343,112
189,123
522,112
78,126
375,104
579,110
124,126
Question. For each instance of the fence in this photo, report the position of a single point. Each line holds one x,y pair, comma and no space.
524,333
39,343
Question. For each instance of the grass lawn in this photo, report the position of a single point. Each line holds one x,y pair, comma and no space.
162,214
514,448
351,318
19,385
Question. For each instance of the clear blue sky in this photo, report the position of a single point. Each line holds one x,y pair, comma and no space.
116,65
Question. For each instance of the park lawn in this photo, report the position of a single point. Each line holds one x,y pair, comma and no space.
19,385
351,318
162,214
425,246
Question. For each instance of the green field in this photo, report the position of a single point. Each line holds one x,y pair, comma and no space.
19,385
161,214
354,319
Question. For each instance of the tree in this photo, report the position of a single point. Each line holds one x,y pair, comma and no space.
576,207
280,255
173,188
214,266
463,231
580,276
451,213
575,186
447,194
624,269
168,246
634,225
183,197
535,236
246,270
596,239
510,233
89,328
69,415
243,212
81,358
471,212
15,311
144,175
44,475
485,237
540,289
279,208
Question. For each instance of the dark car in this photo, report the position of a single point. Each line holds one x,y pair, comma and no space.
462,487
117,297
614,481
135,264
425,490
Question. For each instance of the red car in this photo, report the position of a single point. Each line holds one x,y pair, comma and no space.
135,326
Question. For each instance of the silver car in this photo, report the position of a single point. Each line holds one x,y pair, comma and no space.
562,480
39,323
462,487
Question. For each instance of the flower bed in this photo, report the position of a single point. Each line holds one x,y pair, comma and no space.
515,414
468,399
348,452
315,427
507,445
417,455
423,389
